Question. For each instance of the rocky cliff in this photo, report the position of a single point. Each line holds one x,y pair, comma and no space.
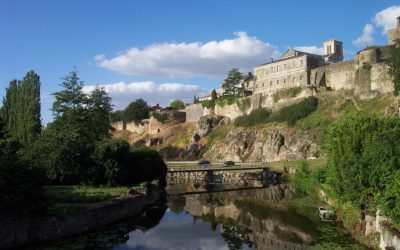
263,145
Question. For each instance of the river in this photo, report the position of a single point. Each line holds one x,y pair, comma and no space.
254,218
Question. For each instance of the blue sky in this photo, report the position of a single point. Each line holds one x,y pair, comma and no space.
162,50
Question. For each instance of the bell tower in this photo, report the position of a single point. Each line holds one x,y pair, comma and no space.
333,51
394,34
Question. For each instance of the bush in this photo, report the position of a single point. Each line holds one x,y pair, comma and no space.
225,100
144,164
350,215
177,104
244,104
286,93
159,117
389,201
21,186
110,157
208,104
257,116
295,112
304,180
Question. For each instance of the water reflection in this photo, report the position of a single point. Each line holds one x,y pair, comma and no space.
247,219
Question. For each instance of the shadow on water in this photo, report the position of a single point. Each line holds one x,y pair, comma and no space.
249,218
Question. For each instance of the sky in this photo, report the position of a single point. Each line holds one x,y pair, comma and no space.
165,50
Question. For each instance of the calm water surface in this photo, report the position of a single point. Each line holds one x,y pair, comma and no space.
270,218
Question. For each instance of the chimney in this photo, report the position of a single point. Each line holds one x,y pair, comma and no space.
272,59
398,21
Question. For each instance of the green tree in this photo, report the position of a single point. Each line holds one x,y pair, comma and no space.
137,110
117,116
177,104
71,99
21,109
21,186
394,68
232,84
100,107
363,152
214,95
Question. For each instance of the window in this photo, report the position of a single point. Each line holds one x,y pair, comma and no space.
271,69
329,49
284,66
301,62
284,80
301,77
293,79
277,68
277,81
270,83
256,85
263,84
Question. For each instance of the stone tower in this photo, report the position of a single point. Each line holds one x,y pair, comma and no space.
333,51
394,34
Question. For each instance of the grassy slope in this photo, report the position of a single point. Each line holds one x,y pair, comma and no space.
73,198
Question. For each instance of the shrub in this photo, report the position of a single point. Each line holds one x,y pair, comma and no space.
159,117
295,112
389,201
257,116
177,104
225,100
21,186
244,104
303,179
350,215
110,157
286,93
144,164
208,104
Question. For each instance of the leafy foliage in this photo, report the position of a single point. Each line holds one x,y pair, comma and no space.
177,104
244,104
226,100
159,117
286,93
363,154
389,200
257,116
231,85
21,186
394,68
21,109
116,116
136,111
295,112
289,114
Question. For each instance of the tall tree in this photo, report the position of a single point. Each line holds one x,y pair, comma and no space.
136,111
71,98
214,95
232,83
100,107
21,108
177,104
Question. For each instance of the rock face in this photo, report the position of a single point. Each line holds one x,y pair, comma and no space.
206,123
243,145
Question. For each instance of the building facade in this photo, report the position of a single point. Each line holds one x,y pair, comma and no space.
294,68
394,34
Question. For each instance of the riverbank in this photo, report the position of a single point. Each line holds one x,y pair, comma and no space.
19,231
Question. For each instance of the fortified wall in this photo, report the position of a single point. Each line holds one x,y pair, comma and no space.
367,74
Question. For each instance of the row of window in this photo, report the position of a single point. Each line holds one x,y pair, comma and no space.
277,81
274,69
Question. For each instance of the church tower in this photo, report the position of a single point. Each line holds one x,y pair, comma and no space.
333,51
394,34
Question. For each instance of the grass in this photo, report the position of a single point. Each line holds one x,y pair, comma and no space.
73,198
286,93
313,164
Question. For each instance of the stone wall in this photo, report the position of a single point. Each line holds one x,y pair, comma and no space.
118,126
231,111
227,176
173,117
18,231
334,76
138,127
194,112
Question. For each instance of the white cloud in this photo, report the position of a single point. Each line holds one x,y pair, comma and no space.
366,38
387,18
123,93
214,58
310,49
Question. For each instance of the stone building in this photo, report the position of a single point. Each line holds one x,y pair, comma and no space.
294,68
394,34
